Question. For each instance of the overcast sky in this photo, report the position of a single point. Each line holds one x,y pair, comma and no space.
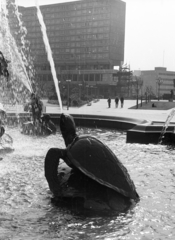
149,35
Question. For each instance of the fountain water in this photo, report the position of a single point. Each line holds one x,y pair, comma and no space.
166,124
17,64
49,52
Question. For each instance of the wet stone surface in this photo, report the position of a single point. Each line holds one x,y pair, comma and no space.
25,200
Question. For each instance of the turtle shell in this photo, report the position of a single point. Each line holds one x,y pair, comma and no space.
98,162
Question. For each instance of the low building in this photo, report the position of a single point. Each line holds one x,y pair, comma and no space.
159,82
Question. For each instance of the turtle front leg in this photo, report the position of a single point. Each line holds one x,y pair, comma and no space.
51,166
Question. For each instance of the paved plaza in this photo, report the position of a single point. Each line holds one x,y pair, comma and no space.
101,108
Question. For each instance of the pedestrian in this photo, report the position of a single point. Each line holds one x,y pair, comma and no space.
122,101
109,102
116,102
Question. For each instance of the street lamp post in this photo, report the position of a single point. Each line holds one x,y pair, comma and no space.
91,90
159,82
87,86
139,83
68,81
80,90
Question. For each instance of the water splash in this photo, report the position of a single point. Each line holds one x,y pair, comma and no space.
9,48
16,67
25,48
49,52
166,124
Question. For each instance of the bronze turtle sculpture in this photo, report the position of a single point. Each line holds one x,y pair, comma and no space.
93,174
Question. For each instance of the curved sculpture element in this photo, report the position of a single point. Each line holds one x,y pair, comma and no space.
97,176
40,125
43,127
2,131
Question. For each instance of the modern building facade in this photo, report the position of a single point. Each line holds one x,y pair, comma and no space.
87,40
158,82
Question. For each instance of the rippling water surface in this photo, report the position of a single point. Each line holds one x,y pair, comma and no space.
25,200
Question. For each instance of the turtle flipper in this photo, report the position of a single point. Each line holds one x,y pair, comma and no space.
51,165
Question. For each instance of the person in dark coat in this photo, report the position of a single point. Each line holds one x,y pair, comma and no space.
122,101
116,102
109,102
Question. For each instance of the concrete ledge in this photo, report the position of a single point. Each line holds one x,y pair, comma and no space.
138,130
150,133
96,121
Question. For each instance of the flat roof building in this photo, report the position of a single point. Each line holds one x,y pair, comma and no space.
86,37
158,82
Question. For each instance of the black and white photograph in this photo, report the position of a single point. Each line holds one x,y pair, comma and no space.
87,120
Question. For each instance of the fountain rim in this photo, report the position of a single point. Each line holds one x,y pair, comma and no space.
137,130
102,121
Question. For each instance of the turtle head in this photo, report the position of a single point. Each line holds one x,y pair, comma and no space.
68,128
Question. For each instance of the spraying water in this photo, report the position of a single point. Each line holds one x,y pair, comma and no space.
166,124
49,52
10,50
25,48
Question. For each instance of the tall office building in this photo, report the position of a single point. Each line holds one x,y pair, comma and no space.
86,37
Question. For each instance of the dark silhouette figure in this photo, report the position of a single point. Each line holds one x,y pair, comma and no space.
116,102
47,124
36,107
109,102
3,66
153,105
172,94
122,101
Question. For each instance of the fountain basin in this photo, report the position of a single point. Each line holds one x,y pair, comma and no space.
138,130
150,133
102,121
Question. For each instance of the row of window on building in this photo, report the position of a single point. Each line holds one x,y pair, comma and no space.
52,31
66,56
78,28
59,19
74,6
74,78
59,49
34,25
65,43
89,11
80,40
64,68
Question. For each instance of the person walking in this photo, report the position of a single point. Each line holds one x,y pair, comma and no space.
122,101
116,102
109,102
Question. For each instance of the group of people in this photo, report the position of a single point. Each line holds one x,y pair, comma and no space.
117,99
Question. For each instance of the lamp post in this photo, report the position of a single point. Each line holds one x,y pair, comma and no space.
91,86
159,82
80,84
139,83
68,82
87,86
